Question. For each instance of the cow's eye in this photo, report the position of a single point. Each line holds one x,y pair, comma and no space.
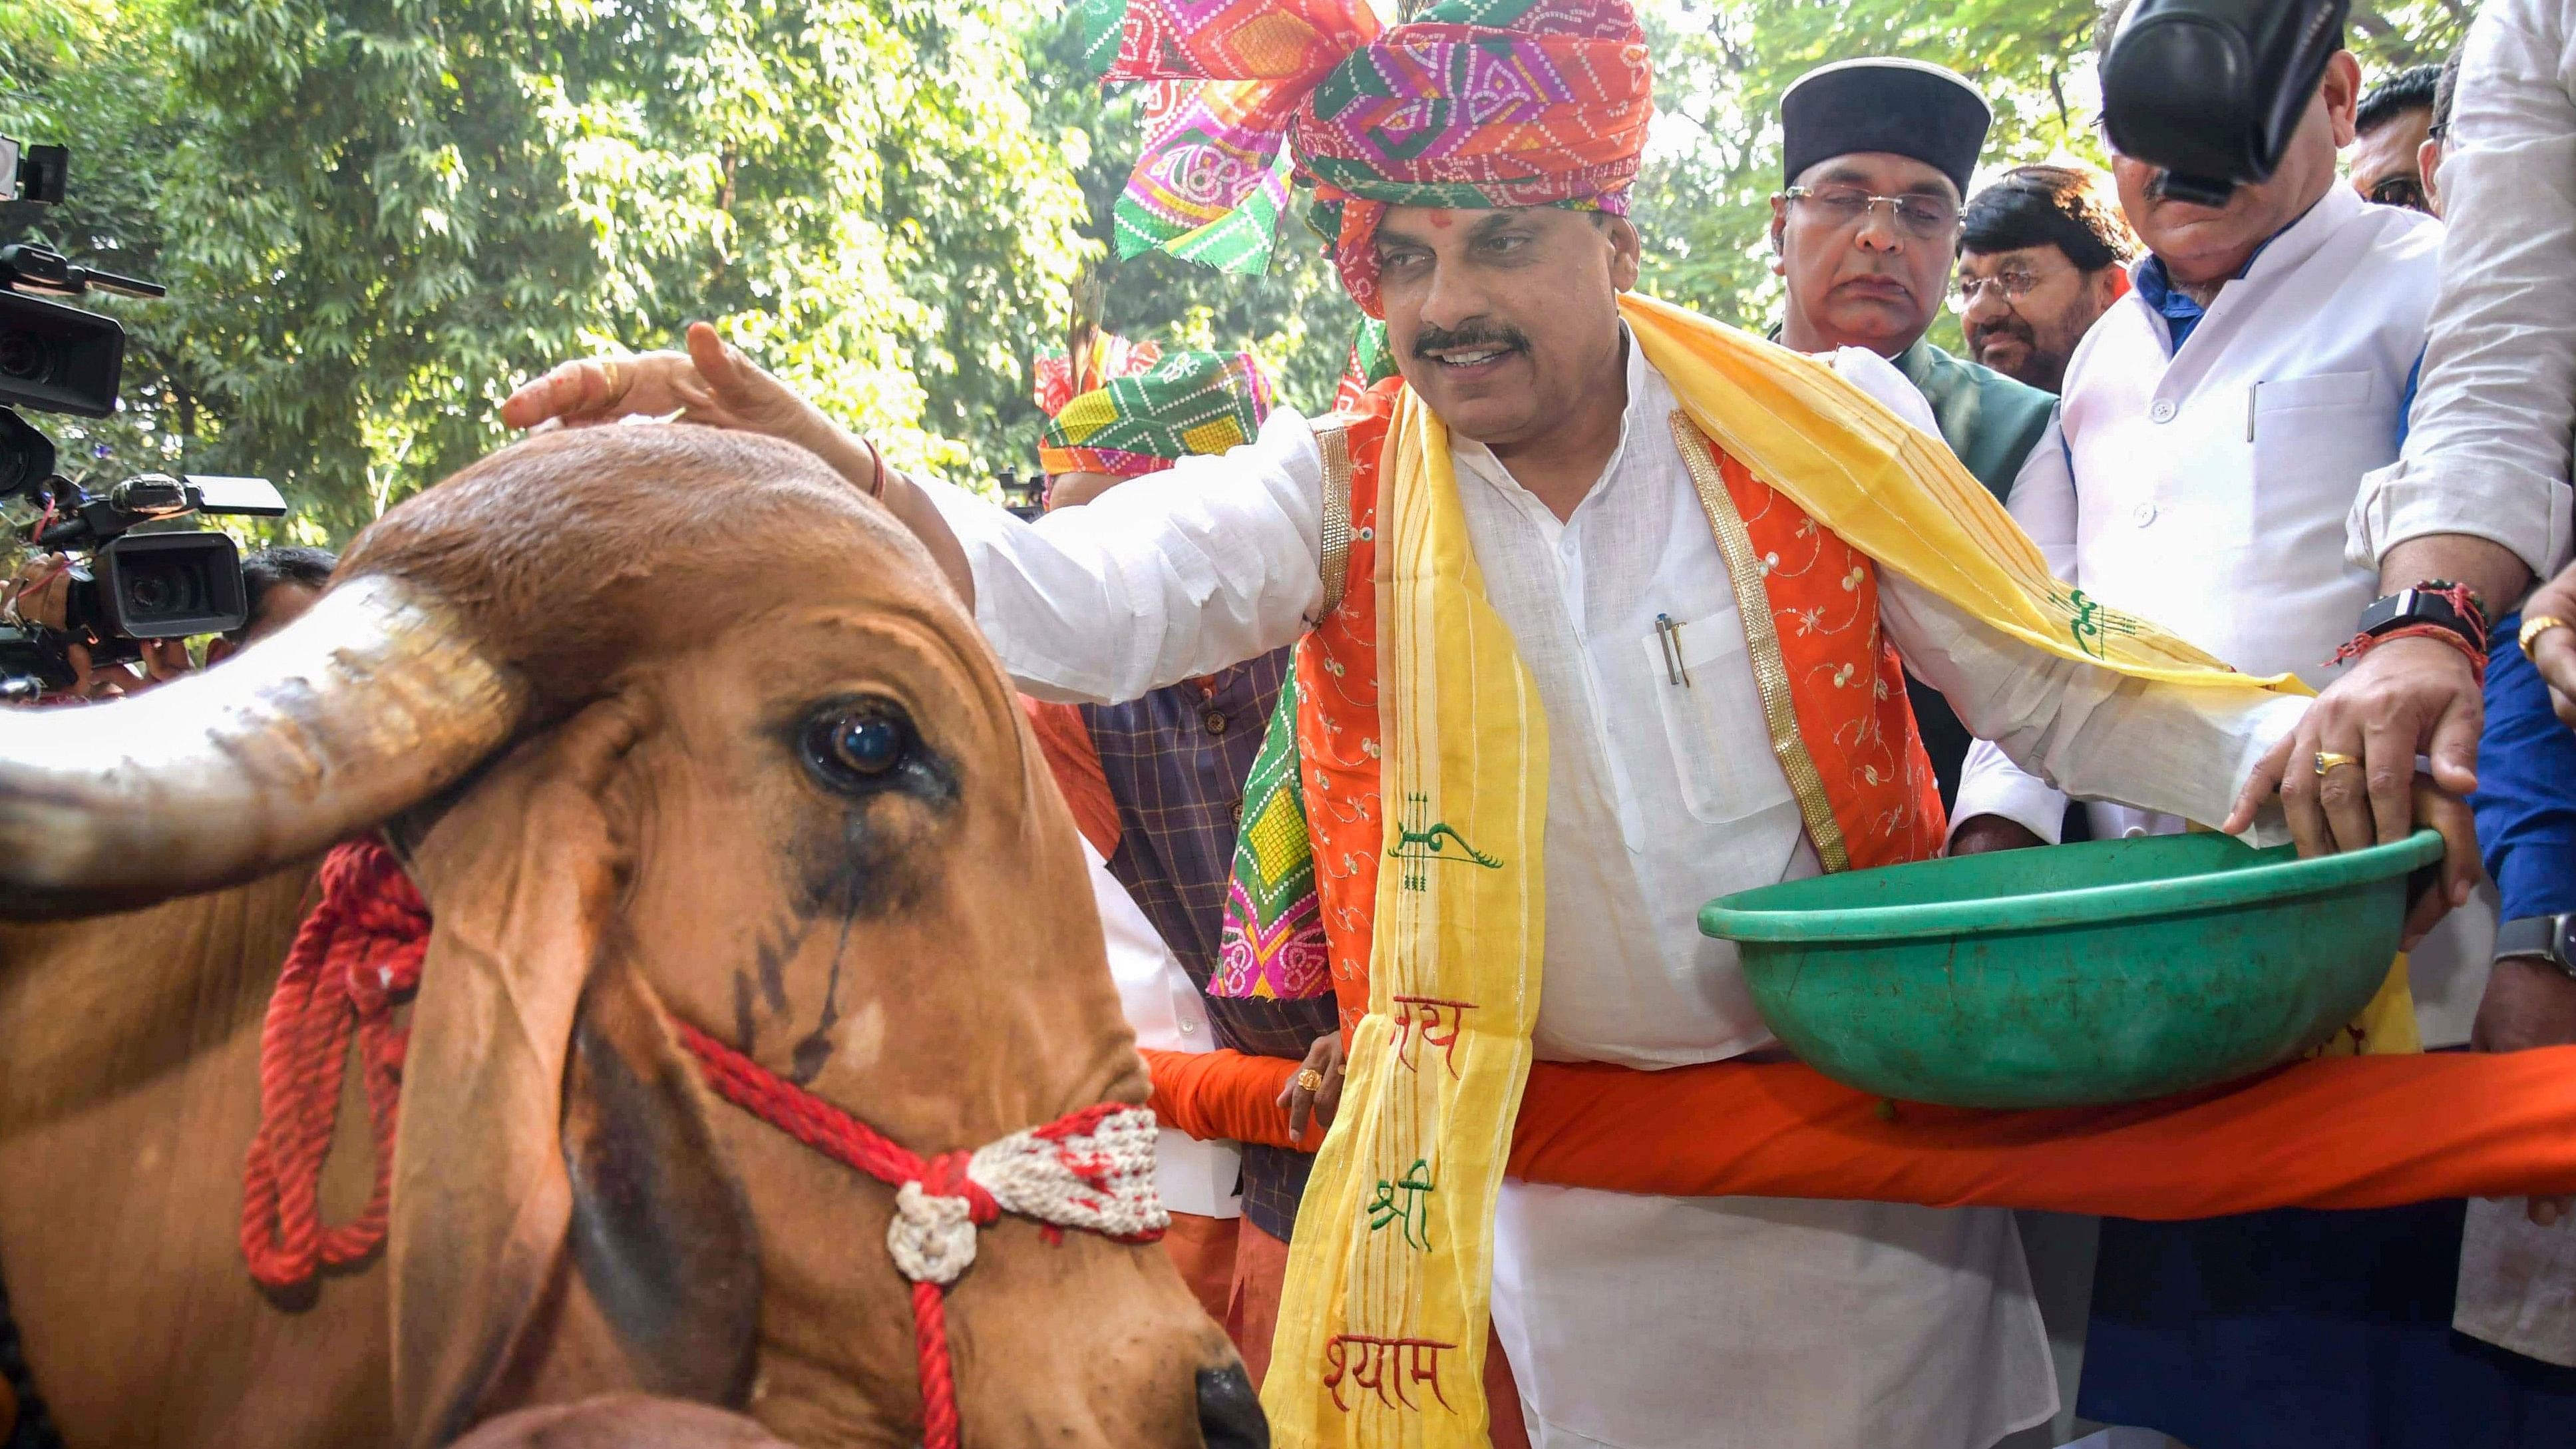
859,746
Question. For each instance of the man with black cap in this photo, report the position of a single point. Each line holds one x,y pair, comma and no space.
2042,253
1877,155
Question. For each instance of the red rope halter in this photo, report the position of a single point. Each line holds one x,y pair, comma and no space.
1092,1169
359,950
1074,1172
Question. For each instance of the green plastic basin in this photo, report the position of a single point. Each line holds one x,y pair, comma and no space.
2106,972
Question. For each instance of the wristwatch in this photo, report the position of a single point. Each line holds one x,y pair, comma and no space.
2543,936
2426,603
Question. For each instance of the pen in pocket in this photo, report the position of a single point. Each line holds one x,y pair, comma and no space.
1668,635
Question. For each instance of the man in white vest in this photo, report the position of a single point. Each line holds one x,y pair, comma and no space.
2220,421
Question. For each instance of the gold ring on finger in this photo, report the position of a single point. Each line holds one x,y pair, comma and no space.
1310,1080
2334,759
615,372
2536,625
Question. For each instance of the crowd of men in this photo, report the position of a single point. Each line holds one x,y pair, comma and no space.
2311,433
2184,409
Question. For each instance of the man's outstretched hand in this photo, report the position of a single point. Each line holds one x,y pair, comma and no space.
712,384
2405,696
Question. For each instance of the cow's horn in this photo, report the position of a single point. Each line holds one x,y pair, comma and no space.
371,702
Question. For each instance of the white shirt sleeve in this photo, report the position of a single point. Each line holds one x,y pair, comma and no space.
1161,578
2488,448
2043,499
2079,727
1879,378
2176,749
2043,503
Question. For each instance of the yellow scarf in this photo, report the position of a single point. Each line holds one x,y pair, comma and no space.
1381,1338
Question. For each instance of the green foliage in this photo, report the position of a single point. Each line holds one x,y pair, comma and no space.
375,216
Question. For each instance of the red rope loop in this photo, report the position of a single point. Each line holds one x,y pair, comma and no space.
354,959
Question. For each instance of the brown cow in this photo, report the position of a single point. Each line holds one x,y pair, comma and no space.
732,754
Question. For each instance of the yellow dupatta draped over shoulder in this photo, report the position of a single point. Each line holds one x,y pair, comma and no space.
1382,1330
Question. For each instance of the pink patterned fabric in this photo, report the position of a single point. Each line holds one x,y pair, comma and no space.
1480,104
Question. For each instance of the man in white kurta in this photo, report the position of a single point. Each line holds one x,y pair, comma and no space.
2211,483
1644,1323
1635,1322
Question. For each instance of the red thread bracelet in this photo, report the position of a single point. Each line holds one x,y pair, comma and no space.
2363,643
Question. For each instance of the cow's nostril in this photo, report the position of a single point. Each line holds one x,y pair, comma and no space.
1229,1411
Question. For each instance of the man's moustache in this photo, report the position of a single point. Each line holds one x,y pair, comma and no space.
1980,336
1441,339
2157,191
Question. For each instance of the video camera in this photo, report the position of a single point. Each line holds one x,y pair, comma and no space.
56,358
2212,90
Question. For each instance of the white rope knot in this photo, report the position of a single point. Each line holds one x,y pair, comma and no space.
1093,1171
932,1237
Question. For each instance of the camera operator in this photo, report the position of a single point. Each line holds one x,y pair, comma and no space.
112,581
39,594
279,583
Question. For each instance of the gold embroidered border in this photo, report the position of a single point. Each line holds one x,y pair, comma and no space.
1770,671
1335,444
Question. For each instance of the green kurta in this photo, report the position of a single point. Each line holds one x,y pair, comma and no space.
1989,420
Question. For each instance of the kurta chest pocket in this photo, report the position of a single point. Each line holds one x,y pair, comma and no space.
1701,673
2313,438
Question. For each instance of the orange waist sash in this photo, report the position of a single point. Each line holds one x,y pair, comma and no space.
2344,1132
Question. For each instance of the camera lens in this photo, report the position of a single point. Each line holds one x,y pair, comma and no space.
163,590
21,356
150,594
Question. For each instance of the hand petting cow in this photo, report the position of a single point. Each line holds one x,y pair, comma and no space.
700,766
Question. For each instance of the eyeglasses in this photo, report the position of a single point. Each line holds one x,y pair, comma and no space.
2013,285
1926,218
2405,191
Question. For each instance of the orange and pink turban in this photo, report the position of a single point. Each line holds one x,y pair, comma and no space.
1475,104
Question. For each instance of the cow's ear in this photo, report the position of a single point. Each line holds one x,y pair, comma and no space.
562,1219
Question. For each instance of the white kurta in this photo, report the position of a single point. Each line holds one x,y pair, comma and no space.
1165,1010
2488,454
1645,1323
2211,487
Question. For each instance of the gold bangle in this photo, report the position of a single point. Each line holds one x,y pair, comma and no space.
2536,625
2334,759
1310,1080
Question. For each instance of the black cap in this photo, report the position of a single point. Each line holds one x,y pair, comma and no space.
1905,107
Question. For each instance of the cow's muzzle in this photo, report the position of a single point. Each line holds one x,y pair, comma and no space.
1229,1411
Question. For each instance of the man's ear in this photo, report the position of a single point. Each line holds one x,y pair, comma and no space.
562,1221
1779,235
2341,91
1627,254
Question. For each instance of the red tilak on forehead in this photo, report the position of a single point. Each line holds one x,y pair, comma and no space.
1443,220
